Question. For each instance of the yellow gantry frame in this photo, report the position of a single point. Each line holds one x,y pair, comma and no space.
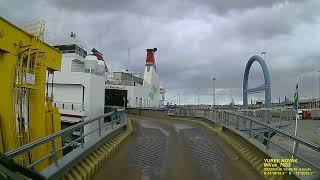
12,39
1,142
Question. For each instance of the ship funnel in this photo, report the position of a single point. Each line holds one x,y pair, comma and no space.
150,56
98,54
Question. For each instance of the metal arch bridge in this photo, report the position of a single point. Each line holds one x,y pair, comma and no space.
204,144
264,87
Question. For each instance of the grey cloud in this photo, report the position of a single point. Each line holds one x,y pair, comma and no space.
145,7
195,40
226,6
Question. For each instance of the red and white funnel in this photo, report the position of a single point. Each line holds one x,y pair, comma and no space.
150,61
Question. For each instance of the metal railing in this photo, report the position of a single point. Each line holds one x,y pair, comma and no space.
76,52
90,130
262,135
69,105
84,69
275,115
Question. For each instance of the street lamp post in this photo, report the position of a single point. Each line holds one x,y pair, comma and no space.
319,91
198,96
214,92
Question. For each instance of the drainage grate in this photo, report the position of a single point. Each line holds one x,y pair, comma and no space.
199,150
150,150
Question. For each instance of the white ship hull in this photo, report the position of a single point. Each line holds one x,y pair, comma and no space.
82,90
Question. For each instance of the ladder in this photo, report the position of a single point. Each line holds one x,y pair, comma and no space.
28,77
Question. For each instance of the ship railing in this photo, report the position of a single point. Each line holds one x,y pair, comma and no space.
82,55
275,142
108,108
92,132
82,68
69,105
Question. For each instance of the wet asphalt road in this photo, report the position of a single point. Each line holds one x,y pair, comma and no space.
173,149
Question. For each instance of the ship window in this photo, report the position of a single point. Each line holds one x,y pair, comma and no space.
72,48
66,48
77,66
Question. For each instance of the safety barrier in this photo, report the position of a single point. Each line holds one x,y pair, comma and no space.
92,132
69,105
262,135
87,167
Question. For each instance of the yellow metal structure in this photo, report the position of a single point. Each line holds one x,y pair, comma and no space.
1,142
53,124
24,61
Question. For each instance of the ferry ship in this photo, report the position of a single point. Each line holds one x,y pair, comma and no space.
84,87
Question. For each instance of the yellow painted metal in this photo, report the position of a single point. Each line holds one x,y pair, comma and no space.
1,142
53,122
14,44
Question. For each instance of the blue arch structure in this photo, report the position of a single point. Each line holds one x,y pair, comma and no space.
266,87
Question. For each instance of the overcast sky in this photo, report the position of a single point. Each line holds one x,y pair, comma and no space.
196,40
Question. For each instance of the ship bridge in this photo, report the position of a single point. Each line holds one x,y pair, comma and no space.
188,144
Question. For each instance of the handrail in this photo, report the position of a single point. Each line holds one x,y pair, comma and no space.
34,144
74,51
100,128
12,169
305,142
69,105
67,102
233,120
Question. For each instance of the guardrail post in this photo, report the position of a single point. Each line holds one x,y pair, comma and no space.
225,118
295,150
112,120
237,122
99,127
214,116
124,117
250,130
117,118
120,117
268,140
82,137
54,151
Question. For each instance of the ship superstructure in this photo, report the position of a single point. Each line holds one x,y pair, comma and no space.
132,89
84,88
79,87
